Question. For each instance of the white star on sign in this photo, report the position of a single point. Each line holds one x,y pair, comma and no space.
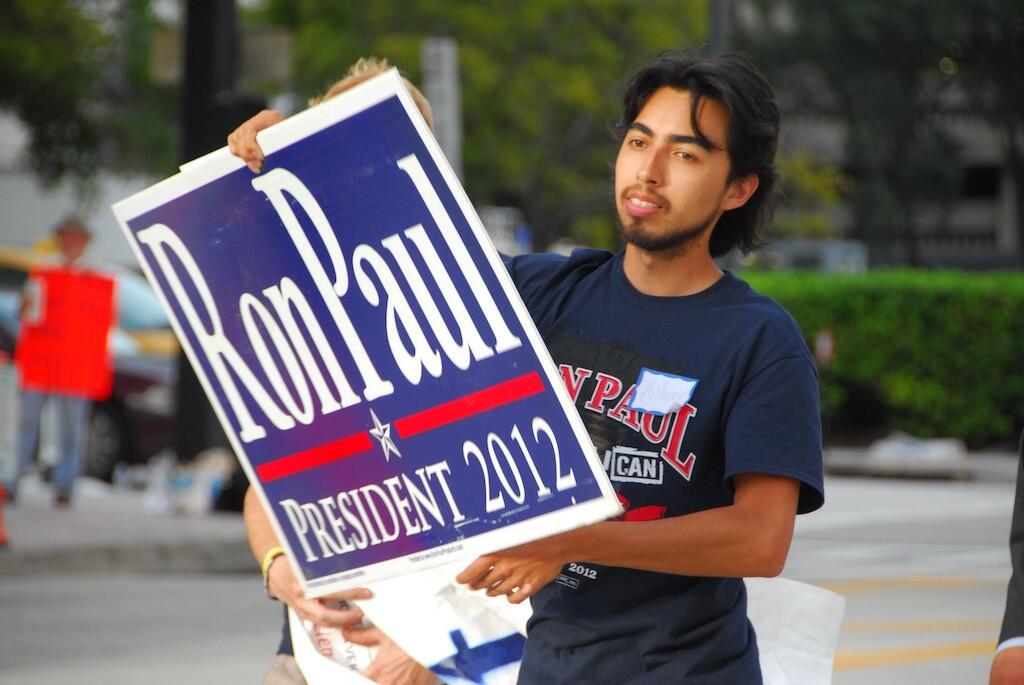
382,431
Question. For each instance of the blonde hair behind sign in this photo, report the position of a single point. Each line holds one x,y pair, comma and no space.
366,68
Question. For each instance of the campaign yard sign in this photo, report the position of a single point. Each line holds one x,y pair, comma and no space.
364,347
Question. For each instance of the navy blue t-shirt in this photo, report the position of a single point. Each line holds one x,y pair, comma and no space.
754,410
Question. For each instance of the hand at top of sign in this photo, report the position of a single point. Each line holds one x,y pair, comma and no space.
242,141
517,572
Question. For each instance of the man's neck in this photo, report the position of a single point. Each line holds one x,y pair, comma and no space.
686,273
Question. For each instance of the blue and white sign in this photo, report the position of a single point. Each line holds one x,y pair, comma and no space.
364,347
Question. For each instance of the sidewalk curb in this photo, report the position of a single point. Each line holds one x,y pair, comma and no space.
209,556
980,466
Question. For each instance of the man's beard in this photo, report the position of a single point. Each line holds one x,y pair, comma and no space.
671,244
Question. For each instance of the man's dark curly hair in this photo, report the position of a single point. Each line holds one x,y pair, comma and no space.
753,132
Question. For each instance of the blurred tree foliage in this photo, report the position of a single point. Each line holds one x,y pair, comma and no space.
141,118
989,58
893,72
811,191
76,72
51,57
939,351
541,81
876,66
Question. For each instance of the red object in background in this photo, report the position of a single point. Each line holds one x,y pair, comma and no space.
64,349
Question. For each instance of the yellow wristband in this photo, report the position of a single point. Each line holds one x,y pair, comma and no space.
268,559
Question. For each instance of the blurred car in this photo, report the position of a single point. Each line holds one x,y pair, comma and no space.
137,420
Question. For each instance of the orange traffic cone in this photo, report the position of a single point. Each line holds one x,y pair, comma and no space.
3,501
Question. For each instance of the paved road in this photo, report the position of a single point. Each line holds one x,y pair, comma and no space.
127,630
923,566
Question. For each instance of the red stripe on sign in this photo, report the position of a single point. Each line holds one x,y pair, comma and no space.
311,458
474,403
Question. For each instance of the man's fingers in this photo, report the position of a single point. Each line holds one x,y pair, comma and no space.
366,637
350,595
254,153
488,573
242,141
475,572
307,609
265,119
324,612
250,150
493,576
521,594
318,614
502,586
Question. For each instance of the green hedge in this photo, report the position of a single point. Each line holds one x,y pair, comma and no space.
942,350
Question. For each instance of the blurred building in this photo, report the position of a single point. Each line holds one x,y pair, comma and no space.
977,229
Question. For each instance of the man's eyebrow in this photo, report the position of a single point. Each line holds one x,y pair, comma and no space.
676,137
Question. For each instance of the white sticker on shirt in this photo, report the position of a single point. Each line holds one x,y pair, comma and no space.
661,393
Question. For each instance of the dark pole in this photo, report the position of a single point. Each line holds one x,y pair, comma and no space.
210,39
210,68
719,29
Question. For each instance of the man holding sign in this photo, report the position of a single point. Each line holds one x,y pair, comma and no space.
699,394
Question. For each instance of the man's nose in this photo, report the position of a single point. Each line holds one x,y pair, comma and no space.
650,172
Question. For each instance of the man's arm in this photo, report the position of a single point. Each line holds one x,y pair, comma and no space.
281,580
1008,665
750,537
391,665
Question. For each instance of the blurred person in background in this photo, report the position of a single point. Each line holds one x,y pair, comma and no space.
1008,665
66,312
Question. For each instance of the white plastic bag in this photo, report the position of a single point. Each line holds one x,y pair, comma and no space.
797,628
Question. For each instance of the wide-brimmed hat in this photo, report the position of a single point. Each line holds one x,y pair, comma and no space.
72,223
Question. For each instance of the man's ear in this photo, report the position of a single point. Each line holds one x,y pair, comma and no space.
739,191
